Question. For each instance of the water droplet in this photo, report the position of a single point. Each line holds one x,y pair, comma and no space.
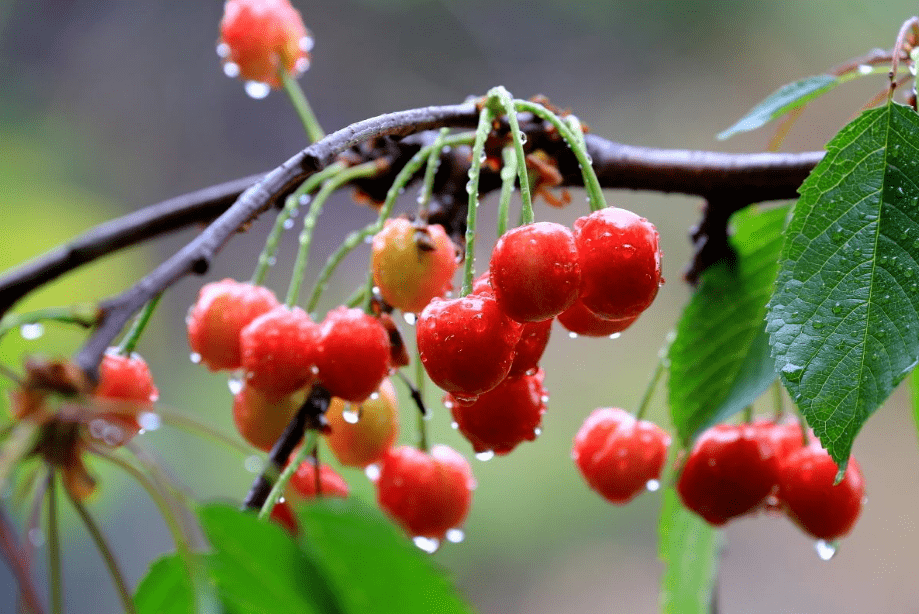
351,415
31,332
302,65
537,431
544,398
653,485
306,43
288,224
235,383
615,335
572,335
455,536
223,50
825,550
36,537
231,69
195,357
254,463
864,69
410,318
427,544
149,421
304,200
372,472
837,308
453,425
487,455
792,372
256,89
818,325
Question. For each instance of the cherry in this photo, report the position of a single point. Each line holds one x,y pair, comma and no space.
126,381
466,344
412,263
534,271
729,472
261,419
283,515
785,438
222,310
618,455
620,262
280,350
303,482
262,36
363,435
428,494
504,416
582,321
354,354
809,498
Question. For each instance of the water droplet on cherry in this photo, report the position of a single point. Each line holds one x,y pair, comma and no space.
427,544
455,536
256,89
825,550
487,455
31,332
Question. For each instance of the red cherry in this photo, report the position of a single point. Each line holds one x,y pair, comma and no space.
534,271
261,419
534,337
215,321
280,350
620,262
412,263
466,344
582,321
810,499
354,354
303,482
262,36
126,381
729,472
364,441
504,416
283,515
618,455
784,438
428,494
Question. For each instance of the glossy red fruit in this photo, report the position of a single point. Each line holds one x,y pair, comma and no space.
364,433
534,337
503,417
619,455
729,472
620,260
466,344
579,320
283,515
261,419
412,263
280,350
354,354
303,482
535,272
263,36
810,499
215,321
785,438
428,494
126,381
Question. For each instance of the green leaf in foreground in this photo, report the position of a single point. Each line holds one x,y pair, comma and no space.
844,320
689,549
371,564
785,99
720,359
165,589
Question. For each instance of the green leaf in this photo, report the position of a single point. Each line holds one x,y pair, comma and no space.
720,360
257,567
689,549
785,99
371,564
914,389
165,589
844,320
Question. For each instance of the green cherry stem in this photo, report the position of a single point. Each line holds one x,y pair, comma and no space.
306,447
503,97
304,111
748,414
55,579
309,221
85,315
486,115
92,527
652,386
508,174
430,171
267,257
778,401
137,329
420,376
591,183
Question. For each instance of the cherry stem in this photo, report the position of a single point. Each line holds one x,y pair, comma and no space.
778,401
266,258
56,581
85,315
652,386
106,552
137,329
417,394
198,428
575,143
329,186
310,123
508,174
310,439
316,473
478,152
503,97
430,172
19,560
748,414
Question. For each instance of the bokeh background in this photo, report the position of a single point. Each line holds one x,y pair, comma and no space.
109,106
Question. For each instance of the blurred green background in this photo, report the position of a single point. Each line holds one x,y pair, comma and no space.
109,106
